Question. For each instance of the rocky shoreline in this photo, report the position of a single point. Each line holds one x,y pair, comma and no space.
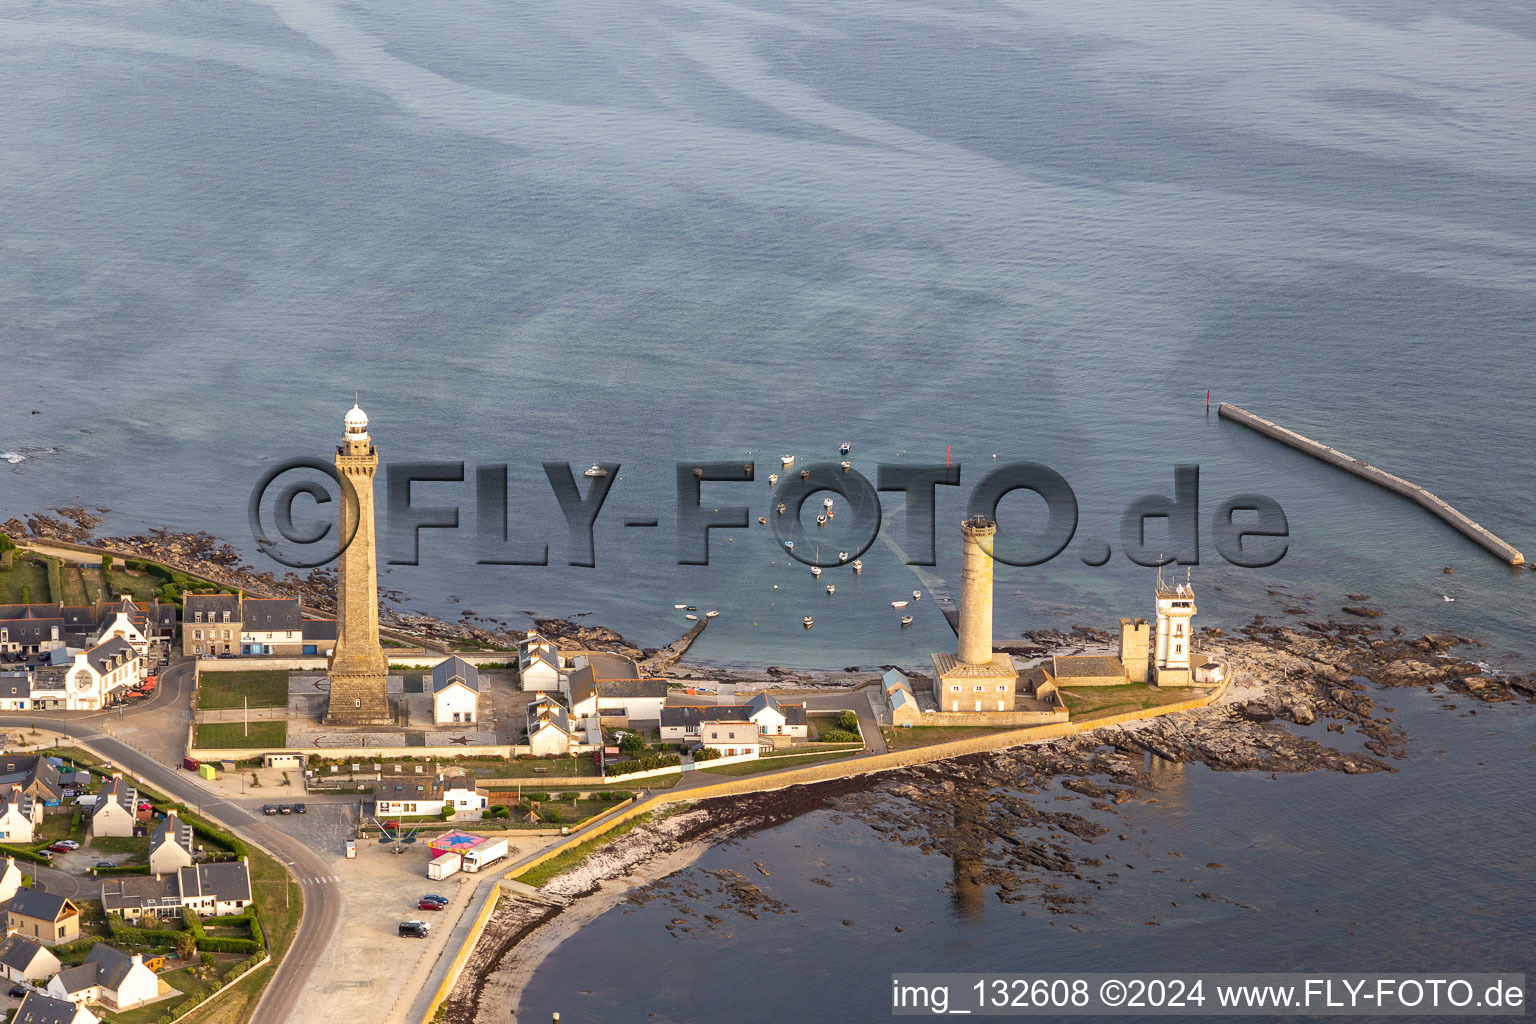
1028,825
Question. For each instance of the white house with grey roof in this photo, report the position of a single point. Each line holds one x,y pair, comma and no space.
681,723
20,815
24,960
114,812
550,730
108,976
538,663
208,890
10,879
455,692
39,1008
170,845
87,680
902,701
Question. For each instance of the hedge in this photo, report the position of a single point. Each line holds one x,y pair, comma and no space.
643,764
22,853
122,869
125,934
706,754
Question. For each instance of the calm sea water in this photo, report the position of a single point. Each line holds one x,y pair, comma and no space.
654,233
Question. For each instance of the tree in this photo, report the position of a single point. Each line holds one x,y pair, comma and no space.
186,946
848,721
632,743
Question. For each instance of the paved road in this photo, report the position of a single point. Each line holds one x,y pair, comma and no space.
322,899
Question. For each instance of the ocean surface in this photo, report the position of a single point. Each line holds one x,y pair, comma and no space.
666,233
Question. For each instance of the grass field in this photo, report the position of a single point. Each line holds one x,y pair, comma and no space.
31,573
816,749
562,862
1089,702
234,734
560,768
771,764
223,690
928,735
137,846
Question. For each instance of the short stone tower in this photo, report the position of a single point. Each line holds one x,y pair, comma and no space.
1135,649
1175,633
358,669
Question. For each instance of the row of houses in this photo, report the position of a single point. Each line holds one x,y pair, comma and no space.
580,692
215,625
29,630
84,669
108,977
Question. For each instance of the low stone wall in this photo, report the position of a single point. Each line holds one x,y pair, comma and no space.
360,753
1000,719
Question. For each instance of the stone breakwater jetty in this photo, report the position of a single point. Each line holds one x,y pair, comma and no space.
1366,471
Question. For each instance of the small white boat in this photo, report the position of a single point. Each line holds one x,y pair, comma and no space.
906,620
596,471
898,604
775,586
773,479
845,447
761,521
805,474
815,570
711,614
808,622
847,464
831,588
789,545
788,460
691,616
821,520
842,556
783,508
917,595
826,503
858,565
679,607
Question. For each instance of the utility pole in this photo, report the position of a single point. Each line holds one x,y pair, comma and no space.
247,715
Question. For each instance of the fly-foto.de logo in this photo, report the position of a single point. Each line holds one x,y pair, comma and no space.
304,513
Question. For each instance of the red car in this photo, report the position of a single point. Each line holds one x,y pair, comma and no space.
60,848
429,905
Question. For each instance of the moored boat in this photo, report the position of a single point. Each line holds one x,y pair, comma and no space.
831,588
845,448
858,565
917,595
596,471
808,622
711,614
788,460
694,617
898,604
906,620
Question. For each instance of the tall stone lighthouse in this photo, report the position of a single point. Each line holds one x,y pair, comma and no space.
975,678
358,667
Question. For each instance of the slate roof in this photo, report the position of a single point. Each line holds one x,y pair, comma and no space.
226,881
545,711
36,775
18,952
115,789
455,670
214,605
321,629
138,891
1080,666
15,685
110,654
182,836
110,964
45,906
37,1008
279,613
78,978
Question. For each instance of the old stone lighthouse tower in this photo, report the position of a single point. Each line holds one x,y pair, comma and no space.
975,678
358,668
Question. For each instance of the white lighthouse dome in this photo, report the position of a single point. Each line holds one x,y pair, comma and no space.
357,420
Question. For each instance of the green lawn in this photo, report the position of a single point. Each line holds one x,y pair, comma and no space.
235,734
561,768
814,748
1089,702
224,690
136,846
186,980
769,764
905,738
31,573
564,861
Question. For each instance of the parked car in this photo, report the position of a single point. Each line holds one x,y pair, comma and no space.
414,929
284,809
69,844
105,864
300,809
429,905
58,848
435,898
18,991
268,809
45,854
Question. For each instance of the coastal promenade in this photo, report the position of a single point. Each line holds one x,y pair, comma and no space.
446,971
